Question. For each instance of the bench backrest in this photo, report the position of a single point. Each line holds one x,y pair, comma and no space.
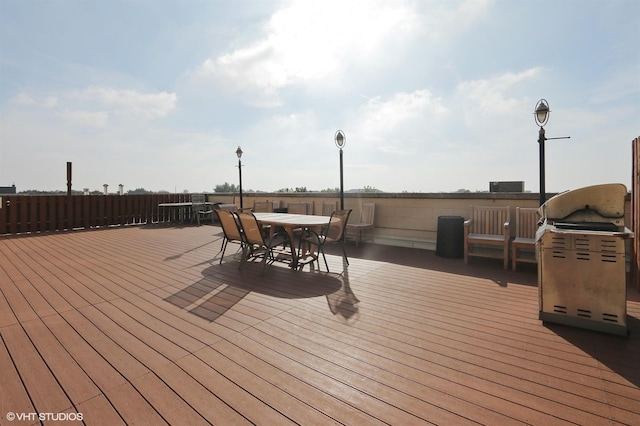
300,208
263,207
489,220
367,213
526,222
329,207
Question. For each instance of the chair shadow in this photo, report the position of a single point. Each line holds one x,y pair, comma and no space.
343,302
222,286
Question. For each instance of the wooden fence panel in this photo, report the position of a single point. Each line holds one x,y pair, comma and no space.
3,215
635,212
43,222
33,214
46,213
13,214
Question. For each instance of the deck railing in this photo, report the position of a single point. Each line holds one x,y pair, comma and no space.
23,214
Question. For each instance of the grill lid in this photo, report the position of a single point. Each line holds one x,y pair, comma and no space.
595,204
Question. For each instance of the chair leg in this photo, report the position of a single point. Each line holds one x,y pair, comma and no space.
264,261
344,254
224,248
321,250
506,256
243,258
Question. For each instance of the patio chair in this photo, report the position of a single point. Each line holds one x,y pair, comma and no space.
255,243
230,228
365,223
525,240
331,233
488,227
199,207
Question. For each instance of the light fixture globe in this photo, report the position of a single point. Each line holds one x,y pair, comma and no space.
239,152
340,139
541,112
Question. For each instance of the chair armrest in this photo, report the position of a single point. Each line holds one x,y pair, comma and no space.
507,232
467,226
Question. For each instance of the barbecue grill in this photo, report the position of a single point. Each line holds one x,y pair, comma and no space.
580,247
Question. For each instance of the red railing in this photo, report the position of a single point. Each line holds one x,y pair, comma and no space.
21,214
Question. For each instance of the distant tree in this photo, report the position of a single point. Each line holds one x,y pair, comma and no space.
301,189
56,192
226,187
370,189
330,190
139,191
462,190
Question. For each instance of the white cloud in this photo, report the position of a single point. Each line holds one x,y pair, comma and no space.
310,42
25,99
490,101
129,102
96,107
99,119
397,124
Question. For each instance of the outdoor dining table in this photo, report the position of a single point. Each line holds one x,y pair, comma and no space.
290,222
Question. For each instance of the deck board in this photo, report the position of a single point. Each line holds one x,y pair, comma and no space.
42,386
143,325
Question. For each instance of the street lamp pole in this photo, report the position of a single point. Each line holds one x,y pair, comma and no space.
341,140
541,115
239,154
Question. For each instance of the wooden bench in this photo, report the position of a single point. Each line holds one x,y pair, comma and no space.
525,240
488,226
365,224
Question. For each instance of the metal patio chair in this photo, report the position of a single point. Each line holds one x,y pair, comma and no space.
331,233
200,208
255,243
231,229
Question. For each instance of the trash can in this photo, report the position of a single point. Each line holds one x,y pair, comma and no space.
450,238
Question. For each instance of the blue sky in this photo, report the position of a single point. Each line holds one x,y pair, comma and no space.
432,95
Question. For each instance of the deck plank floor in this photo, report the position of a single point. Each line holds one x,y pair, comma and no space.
143,325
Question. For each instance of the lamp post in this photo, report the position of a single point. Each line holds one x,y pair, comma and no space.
239,154
341,140
541,115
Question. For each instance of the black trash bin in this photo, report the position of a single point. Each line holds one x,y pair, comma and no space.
450,239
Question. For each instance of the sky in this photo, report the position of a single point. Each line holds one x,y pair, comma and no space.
433,96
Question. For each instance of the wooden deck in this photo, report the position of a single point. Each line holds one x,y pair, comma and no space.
141,325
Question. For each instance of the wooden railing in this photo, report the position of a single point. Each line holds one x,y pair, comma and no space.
635,211
22,214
